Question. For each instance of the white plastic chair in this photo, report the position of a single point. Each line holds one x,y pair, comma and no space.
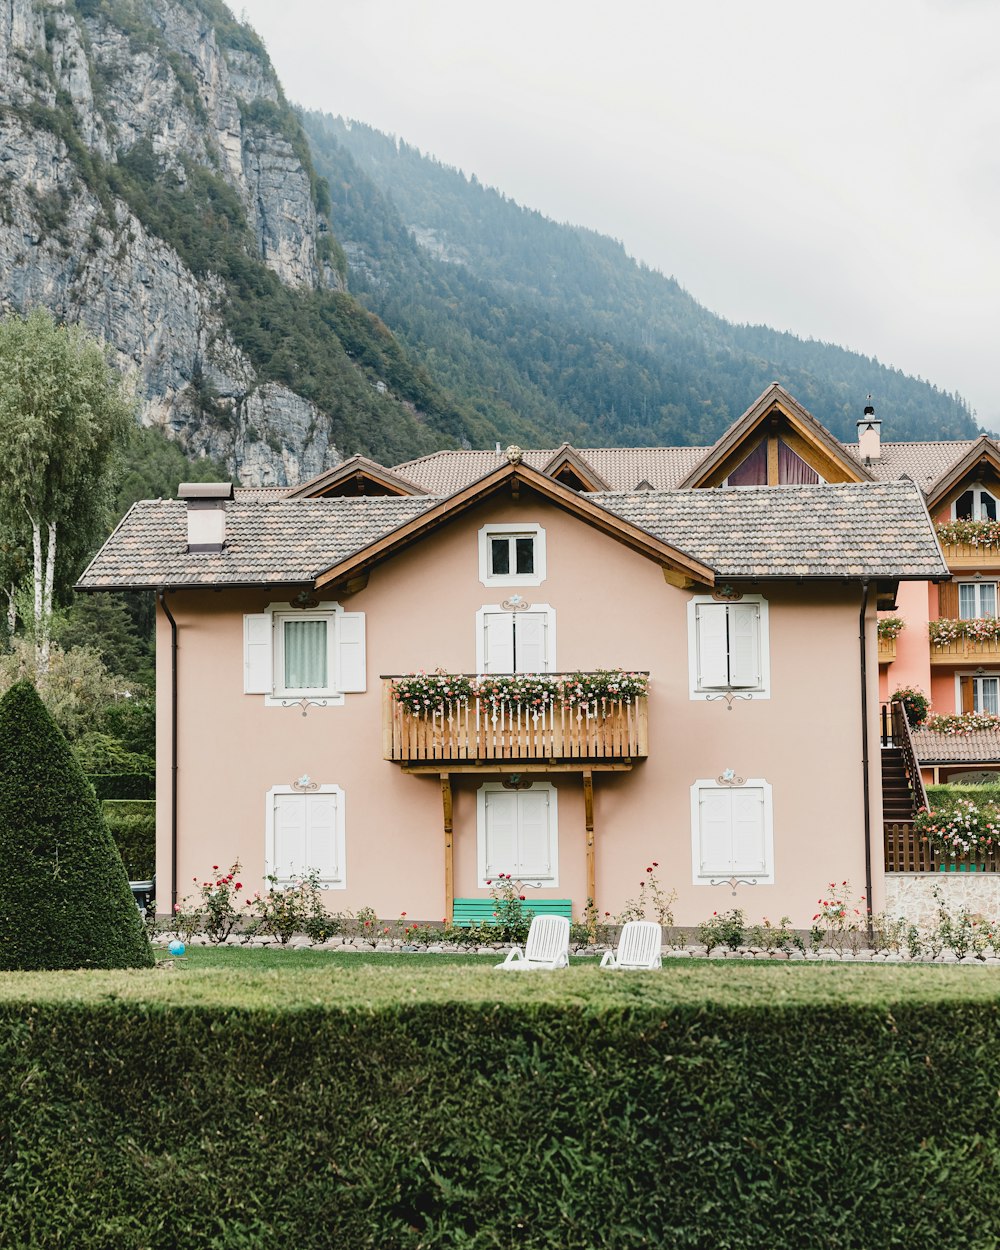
547,946
638,947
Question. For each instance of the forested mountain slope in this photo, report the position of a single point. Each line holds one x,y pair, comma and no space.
507,305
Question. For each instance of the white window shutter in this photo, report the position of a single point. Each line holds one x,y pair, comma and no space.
534,857
498,649
713,646
322,849
289,835
749,851
744,644
351,647
257,639
501,832
531,650
716,833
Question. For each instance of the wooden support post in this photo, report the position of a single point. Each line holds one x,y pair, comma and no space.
588,807
449,860
772,460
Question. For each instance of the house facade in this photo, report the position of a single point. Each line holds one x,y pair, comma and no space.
744,761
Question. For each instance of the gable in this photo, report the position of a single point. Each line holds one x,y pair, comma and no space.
775,442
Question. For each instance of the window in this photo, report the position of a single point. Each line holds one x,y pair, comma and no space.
732,833
518,833
976,599
522,641
975,504
978,694
512,555
728,646
290,655
305,832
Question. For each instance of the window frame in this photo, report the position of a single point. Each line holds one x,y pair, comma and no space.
976,679
750,783
264,677
977,586
763,688
278,622
977,490
510,530
494,787
271,868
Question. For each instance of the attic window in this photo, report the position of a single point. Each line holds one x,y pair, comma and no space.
512,555
975,504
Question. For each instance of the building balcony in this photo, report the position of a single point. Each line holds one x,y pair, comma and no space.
964,650
967,556
470,733
886,650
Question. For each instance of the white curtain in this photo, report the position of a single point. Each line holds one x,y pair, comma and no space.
305,655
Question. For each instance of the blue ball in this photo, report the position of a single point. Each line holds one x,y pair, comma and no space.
176,947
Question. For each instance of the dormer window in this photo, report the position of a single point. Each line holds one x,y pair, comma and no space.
511,555
975,504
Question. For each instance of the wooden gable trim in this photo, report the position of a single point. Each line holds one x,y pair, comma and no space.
356,470
780,416
567,460
965,470
514,476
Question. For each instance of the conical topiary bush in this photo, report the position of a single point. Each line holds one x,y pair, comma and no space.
65,901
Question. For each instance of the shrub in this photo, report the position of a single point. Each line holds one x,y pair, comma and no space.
64,896
840,922
960,828
133,827
216,911
916,705
727,928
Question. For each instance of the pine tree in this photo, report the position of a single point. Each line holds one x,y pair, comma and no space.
65,901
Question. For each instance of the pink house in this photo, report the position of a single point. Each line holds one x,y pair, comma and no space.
749,771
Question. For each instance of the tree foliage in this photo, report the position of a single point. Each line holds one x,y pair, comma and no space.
65,901
65,416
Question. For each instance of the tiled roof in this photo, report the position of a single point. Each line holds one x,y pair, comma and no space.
979,747
847,529
923,463
267,542
623,468
868,530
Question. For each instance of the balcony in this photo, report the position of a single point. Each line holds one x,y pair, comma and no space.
886,650
472,732
968,556
964,650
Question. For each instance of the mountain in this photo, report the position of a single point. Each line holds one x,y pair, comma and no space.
156,186
515,311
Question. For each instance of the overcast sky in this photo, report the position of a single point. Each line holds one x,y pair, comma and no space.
831,169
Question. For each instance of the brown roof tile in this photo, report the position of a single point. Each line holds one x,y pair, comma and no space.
980,747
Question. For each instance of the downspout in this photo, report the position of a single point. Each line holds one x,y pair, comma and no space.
161,597
864,756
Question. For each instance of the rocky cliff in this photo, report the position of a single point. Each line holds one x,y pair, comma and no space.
124,124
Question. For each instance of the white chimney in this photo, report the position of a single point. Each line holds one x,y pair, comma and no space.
206,513
869,435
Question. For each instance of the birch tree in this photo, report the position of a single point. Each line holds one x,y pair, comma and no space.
65,416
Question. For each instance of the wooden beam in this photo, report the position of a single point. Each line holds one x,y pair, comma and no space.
449,858
588,807
492,768
772,460
675,578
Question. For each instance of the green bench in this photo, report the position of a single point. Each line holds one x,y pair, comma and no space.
477,911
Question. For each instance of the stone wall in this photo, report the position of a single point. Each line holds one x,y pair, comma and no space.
911,895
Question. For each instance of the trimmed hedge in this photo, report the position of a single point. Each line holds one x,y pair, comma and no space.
64,897
123,785
405,1109
132,823
947,794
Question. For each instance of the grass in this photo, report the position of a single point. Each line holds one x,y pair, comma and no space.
272,979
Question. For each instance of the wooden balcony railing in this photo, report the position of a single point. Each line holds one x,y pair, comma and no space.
905,851
473,731
961,556
886,650
963,649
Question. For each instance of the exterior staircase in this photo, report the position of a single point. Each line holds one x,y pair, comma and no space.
897,797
